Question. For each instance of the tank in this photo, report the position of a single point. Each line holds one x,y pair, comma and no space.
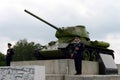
60,49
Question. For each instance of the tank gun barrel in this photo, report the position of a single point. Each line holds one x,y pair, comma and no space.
41,19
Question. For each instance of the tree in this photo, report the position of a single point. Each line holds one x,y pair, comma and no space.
2,59
24,50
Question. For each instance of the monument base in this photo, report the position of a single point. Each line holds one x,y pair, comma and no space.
63,69
62,66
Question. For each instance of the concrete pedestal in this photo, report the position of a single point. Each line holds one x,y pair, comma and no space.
62,66
63,69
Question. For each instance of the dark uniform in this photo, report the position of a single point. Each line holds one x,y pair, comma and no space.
78,49
9,55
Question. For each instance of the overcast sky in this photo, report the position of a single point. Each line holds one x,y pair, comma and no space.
101,18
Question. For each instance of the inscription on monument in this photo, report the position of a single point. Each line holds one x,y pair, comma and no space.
17,73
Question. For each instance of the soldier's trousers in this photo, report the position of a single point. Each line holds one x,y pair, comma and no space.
78,65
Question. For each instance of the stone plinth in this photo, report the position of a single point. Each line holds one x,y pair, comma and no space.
63,69
88,67
22,73
62,66
51,66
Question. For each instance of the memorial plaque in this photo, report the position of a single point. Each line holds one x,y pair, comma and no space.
107,64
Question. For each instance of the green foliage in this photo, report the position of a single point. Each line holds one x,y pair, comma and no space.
24,50
2,59
52,43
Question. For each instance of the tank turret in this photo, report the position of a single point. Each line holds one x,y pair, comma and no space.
66,34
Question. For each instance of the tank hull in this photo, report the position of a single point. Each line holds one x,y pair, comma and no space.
90,53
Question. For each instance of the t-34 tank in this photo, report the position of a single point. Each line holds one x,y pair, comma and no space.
59,49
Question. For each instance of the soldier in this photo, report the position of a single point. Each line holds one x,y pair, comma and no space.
78,49
9,55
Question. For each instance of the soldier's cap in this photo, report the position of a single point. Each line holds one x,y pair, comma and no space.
9,44
77,36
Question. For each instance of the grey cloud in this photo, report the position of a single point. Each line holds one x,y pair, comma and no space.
99,17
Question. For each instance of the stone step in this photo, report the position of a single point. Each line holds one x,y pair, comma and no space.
55,77
81,77
92,77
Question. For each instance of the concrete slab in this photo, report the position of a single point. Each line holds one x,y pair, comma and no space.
118,66
88,67
51,66
22,73
62,66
